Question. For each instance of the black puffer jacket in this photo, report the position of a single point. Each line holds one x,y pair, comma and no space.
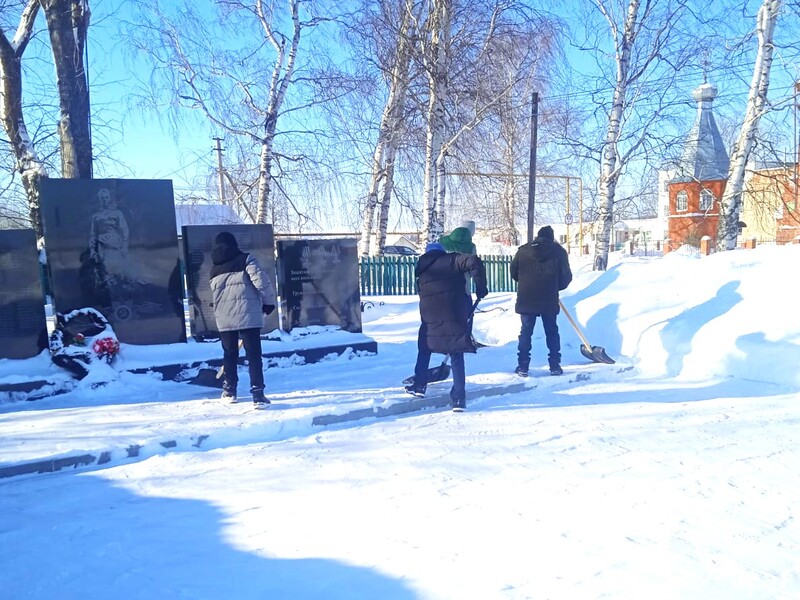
542,270
443,305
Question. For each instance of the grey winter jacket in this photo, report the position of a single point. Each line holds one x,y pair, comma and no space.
240,287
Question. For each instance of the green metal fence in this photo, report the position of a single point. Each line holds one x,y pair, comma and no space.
394,275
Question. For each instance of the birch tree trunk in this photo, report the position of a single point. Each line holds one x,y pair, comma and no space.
469,110
609,167
432,145
388,134
264,176
68,24
508,197
728,225
281,75
440,211
437,69
386,200
28,164
508,204
378,173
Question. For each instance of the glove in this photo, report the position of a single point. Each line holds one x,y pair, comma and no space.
482,292
267,308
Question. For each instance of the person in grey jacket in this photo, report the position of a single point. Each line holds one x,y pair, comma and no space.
242,294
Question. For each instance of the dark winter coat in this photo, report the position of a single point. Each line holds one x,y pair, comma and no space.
541,269
443,305
240,287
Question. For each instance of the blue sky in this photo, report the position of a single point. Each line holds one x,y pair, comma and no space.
132,143
139,140
149,150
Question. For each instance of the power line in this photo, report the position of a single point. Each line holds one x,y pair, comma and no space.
183,167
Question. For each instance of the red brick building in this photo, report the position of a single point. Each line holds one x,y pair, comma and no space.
696,190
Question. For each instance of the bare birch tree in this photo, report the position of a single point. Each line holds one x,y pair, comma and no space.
454,49
640,33
436,54
389,132
522,58
28,164
730,204
226,82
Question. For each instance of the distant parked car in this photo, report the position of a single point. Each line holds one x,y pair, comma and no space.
399,251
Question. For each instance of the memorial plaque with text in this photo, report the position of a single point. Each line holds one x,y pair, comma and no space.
198,241
318,283
112,245
23,327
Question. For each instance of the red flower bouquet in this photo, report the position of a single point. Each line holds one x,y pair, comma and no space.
106,347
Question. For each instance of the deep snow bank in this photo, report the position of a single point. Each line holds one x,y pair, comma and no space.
731,314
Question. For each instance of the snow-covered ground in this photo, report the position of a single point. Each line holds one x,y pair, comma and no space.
673,474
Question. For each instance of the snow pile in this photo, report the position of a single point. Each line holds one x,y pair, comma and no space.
731,314
679,316
603,483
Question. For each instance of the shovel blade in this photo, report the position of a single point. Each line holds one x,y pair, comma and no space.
439,373
435,374
208,378
597,354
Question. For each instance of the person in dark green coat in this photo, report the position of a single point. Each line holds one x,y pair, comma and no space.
445,312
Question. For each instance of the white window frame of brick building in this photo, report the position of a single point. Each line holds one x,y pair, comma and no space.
682,201
706,200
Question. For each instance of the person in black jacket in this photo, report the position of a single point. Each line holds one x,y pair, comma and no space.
541,269
444,309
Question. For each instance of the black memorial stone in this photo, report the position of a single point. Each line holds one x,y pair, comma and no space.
23,327
198,241
318,283
112,245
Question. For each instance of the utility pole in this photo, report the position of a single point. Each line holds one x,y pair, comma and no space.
532,170
220,171
796,144
568,216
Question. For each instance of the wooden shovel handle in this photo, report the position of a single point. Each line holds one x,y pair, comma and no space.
575,325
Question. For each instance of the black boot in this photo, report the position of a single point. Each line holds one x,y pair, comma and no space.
228,392
458,404
419,392
259,399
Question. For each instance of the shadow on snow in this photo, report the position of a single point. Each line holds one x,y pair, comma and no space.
86,537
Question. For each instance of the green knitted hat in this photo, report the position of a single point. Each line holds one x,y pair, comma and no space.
459,240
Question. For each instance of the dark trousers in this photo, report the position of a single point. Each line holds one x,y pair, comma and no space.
423,358
551,337
458,391
251,340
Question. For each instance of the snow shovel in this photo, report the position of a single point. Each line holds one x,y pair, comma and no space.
211,377
441,372
435,374
594,353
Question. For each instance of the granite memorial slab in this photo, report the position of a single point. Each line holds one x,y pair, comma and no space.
23,326
197,243
112,245
318,283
